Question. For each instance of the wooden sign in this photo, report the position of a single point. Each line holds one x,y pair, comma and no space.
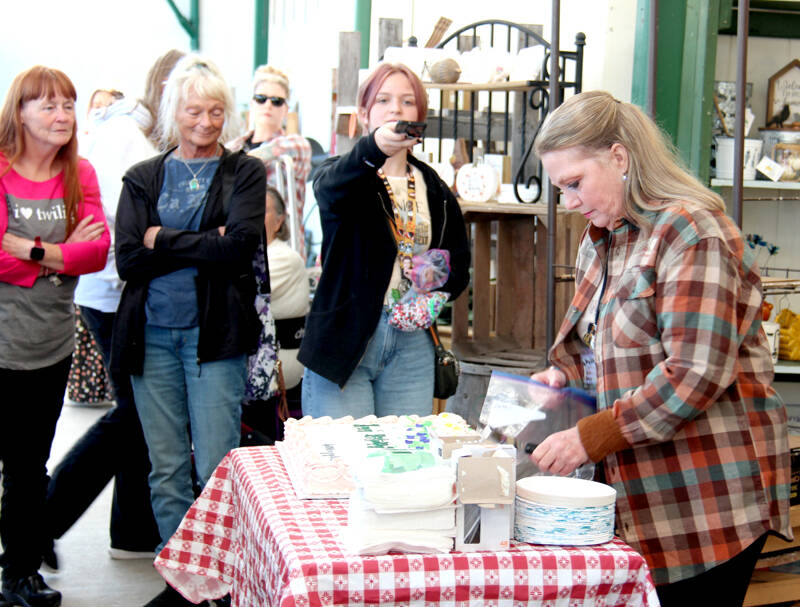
784,89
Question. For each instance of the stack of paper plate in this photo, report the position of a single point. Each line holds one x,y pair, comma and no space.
563,511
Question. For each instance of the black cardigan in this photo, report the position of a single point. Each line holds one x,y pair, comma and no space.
358,254
229,325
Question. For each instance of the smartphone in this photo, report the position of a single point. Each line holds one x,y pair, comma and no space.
414,130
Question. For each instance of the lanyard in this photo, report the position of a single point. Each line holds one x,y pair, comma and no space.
403,230
591,332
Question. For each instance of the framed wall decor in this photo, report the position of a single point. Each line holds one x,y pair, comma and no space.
784,89
788,156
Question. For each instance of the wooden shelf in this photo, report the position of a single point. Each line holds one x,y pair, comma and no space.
494,211
775,283
494,87
493,207
787,367
769,587
757,184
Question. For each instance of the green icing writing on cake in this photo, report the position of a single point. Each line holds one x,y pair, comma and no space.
397,461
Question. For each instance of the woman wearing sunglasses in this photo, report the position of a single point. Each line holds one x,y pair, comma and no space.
268,140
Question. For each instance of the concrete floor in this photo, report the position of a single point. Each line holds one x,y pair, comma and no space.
88,576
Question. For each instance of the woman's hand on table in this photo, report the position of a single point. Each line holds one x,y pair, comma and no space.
390,142
560,453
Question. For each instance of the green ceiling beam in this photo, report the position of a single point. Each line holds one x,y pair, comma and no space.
261,43
685,64
363,22
697,85
190,24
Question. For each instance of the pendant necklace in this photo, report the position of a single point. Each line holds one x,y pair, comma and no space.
194,184
403,230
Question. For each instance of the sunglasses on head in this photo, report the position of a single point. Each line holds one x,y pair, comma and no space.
275,101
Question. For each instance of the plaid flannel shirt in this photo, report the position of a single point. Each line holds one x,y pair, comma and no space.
295,146
691,433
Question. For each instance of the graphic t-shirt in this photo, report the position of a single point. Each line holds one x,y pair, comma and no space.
398,285
172,298
37,323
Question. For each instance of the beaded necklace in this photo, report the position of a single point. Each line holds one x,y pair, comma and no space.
403,230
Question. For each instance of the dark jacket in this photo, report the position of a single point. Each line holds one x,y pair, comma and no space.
229,325
358,254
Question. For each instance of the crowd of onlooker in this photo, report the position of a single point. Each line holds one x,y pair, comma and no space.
176,235
164,226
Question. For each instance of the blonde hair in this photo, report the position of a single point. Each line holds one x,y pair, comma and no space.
194,73
656,178
267,73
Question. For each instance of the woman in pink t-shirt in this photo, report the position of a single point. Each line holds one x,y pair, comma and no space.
53,229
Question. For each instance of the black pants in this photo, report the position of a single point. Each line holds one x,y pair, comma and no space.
260,422
113,448
725,584
30,403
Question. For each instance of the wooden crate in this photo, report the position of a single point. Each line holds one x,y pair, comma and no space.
472,385
509,248
769,587
505,327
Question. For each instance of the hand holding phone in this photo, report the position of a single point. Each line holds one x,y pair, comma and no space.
413,130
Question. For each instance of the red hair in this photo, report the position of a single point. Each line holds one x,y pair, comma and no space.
41,82
370,87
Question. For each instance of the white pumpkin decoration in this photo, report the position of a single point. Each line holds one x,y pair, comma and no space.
477,182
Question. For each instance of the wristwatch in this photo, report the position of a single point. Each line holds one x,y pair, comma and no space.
37,251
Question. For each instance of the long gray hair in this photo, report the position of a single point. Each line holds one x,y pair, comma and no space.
657,178
194,73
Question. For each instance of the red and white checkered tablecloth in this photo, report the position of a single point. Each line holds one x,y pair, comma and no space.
249,535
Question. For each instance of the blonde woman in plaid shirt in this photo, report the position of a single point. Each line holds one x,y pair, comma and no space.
666,326
268,140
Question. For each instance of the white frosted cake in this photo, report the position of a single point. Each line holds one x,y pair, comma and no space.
405,501
320,453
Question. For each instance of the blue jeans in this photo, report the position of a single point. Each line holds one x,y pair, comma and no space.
394,377
183,404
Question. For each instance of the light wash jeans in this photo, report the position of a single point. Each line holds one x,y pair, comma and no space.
173,395
394,377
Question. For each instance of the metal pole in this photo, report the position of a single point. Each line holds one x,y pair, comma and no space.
554,102
652,59
742,26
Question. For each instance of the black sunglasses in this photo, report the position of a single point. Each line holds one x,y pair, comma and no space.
275,101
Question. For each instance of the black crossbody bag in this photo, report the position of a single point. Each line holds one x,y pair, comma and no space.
446,368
